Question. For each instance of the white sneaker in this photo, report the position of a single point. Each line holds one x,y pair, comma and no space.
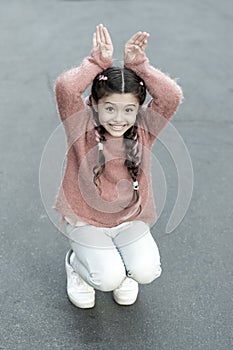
127,292
79,292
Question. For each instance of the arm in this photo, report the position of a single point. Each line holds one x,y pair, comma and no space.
70,85
166,94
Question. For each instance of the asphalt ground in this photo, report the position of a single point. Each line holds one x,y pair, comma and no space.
190,305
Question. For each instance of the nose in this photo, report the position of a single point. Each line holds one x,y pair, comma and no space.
118,117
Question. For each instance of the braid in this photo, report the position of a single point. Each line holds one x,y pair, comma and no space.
133,160
98,169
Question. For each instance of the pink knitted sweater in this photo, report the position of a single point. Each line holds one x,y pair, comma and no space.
78,198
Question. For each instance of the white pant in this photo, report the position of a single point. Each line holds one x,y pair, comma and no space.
105,256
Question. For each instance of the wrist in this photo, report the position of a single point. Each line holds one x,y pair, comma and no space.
139,59
103,62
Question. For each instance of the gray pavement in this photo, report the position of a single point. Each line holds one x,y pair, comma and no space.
190,305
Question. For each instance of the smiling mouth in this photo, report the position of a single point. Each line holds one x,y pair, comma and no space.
117,127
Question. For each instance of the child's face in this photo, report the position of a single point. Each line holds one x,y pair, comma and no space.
117,112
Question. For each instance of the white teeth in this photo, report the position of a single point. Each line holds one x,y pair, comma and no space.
117,127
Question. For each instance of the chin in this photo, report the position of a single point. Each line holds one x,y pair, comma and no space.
116,133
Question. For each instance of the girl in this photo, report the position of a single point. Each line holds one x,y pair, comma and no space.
106,194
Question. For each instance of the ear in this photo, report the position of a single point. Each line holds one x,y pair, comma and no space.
94,104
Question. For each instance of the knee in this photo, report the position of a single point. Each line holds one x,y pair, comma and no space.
107,280
145,274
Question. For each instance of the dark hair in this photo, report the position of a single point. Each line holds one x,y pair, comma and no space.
119,80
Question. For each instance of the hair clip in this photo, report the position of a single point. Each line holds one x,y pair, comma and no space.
141,83
103,77
100,146
135,185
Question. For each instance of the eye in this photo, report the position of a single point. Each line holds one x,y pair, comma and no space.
129,110
109,109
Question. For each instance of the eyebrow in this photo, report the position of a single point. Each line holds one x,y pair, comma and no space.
129,104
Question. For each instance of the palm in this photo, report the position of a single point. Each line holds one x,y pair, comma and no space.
102,42
135,46
106,50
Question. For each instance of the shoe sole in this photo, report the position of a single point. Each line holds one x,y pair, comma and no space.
82,306
125,301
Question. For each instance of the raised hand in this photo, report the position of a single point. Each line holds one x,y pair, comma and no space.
102,42
136,46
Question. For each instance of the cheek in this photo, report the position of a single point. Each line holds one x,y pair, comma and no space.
103,117
131,119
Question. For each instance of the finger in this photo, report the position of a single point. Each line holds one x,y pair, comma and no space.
146,36
144,41
102,37
134,38
94,40
142,38
107,36
98,34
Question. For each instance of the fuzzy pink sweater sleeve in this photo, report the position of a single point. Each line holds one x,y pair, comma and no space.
70,85
165,92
